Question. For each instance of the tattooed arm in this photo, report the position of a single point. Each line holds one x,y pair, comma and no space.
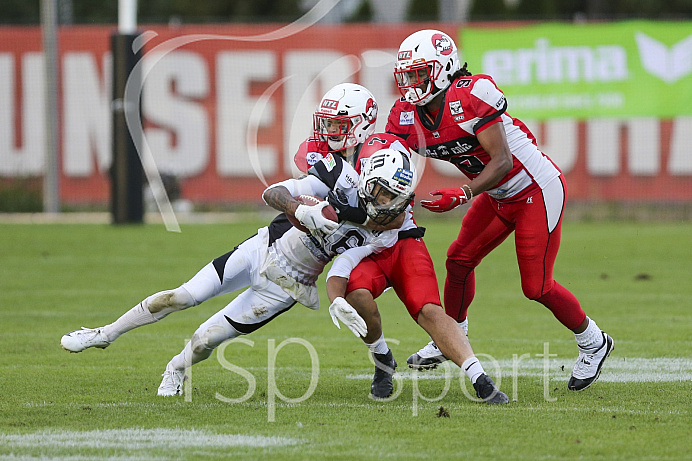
280,198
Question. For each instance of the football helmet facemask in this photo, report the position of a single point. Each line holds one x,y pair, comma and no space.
385,186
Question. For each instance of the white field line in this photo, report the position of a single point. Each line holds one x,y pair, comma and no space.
137,457
140,439
615,370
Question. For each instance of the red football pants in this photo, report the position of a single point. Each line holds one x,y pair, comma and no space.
407,268
536,221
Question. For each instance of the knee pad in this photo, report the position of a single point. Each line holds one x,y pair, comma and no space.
209,339
164,302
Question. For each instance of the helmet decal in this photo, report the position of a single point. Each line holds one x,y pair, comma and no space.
403,177
330,104
370,110
404,55
442,44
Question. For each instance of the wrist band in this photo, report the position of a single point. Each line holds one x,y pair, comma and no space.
470,191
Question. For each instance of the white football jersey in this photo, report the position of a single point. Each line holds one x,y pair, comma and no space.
302,256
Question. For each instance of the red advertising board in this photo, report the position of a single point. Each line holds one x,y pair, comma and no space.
225,108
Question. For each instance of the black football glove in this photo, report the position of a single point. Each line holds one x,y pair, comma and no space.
344,211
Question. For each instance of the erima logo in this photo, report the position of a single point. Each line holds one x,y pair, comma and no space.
668,64
545,64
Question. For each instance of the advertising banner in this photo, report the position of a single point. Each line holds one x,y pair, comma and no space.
225,107
628,69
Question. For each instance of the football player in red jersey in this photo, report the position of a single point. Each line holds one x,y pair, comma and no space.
449,114
406,267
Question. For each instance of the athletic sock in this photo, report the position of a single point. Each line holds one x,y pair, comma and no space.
379,346
135,317
465,326
162,303
473,368
591,338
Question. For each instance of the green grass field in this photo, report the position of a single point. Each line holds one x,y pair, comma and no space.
632,278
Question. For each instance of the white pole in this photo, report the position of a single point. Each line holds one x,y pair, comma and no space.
127,17
51,172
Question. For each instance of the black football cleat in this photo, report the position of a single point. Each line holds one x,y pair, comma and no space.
486,390
382,385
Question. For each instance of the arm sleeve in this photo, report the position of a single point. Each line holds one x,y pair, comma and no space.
348,260
310,185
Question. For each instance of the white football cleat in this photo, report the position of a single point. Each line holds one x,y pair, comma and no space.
588,365
78,340
172,383
427,358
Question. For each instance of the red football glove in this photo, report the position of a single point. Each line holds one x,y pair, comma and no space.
451,198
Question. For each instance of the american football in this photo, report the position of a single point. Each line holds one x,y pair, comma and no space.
328,211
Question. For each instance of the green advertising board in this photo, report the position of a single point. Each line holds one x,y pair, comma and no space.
624,69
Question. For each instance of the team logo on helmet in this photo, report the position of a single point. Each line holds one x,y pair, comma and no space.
370,110
330,104
442,44
404,55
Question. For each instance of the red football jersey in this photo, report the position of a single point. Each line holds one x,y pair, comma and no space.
470,105
312,150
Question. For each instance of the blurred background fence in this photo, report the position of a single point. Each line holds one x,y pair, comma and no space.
229,88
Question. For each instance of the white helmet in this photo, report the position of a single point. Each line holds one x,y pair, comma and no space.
385,186
426,50
345,117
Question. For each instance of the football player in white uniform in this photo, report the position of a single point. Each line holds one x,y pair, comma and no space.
279,265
